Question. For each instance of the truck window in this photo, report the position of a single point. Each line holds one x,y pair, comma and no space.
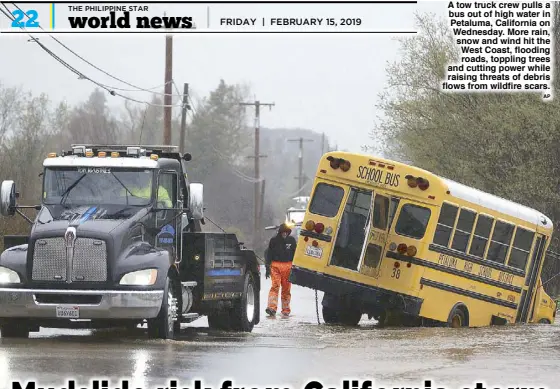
412,221
167,190
326,200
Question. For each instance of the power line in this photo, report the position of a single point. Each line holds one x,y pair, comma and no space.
137,88
74,70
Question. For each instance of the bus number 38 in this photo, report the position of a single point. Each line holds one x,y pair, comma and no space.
396,273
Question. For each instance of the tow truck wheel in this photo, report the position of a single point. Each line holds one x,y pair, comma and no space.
163,326
243,313
14,330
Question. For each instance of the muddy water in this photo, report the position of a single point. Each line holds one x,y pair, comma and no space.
291,352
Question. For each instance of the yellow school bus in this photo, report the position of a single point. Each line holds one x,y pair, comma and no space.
406,246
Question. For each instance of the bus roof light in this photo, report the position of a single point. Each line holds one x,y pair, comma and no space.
319,228
401,248
310,225
411,180
345,165
423,184
335,162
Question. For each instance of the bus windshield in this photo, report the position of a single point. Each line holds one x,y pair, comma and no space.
97,185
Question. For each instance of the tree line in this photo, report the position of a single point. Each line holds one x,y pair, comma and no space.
507,144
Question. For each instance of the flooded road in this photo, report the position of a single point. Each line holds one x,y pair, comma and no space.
289,353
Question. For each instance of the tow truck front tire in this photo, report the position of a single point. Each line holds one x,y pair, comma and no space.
163,326
243,313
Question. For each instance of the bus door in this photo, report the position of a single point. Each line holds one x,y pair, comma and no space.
381,215
531,280
352,230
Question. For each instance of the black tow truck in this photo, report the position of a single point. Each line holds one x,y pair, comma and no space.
118,241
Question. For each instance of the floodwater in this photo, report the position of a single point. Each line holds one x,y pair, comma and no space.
289,353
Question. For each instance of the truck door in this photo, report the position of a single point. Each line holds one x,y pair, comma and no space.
379,221
168,220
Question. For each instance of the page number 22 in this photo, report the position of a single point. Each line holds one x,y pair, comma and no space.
19,15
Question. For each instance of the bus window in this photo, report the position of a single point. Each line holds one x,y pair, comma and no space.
501,239
326,200
380,212
481,235
393,209
463,230
445,224
521,248
412,221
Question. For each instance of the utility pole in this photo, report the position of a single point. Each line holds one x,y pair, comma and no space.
323,144
168,91
261,204
257,104
300,176
185,108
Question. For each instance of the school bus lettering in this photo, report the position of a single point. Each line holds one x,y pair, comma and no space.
375,176
392,179
485,272
505,277
448,261
468,267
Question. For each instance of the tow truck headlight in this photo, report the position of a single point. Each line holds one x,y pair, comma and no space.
8,276
140,277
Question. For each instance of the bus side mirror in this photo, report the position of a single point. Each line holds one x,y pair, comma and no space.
8,198
187,157
196,203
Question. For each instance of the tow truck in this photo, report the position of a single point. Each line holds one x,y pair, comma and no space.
118,241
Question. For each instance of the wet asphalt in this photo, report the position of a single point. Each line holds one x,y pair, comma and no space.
289,353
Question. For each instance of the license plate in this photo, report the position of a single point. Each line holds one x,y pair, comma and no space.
68,312
316,252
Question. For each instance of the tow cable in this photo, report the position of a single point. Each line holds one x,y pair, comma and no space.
317,307
317,303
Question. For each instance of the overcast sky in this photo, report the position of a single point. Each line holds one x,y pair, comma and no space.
327,83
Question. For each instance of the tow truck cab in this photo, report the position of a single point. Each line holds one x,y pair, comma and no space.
118,240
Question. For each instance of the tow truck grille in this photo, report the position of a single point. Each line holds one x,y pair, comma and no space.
89,260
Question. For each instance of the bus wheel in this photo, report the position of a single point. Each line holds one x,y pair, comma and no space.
457,318
544,321
350,317
330,315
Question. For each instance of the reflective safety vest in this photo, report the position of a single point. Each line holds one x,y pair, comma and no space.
163,195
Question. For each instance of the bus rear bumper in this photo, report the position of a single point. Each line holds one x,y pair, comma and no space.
368,296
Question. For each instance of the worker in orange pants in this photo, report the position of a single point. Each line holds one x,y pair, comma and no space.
281,249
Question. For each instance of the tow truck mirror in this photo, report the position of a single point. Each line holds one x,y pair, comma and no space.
196,203
8,198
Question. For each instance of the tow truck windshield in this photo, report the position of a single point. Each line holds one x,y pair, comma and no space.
72,186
